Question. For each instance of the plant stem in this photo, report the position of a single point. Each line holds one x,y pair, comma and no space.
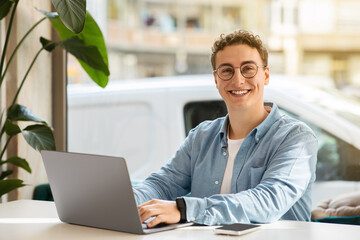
17,47
7,38
4,149
2,132
27,72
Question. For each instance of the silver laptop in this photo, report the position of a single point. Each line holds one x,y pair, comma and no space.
95,191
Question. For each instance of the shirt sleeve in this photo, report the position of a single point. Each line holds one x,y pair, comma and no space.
286,178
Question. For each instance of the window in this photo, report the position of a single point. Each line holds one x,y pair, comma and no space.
197,112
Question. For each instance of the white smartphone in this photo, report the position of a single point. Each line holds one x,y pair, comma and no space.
236,229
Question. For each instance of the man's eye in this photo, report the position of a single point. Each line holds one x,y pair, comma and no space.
247,68
227,70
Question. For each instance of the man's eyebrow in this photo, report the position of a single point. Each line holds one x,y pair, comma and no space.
242,63
225,64
249,61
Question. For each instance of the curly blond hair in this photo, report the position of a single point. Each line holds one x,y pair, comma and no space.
239,37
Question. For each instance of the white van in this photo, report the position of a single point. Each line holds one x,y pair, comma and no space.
146,120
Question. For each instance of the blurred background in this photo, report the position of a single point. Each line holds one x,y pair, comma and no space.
151,38
161,82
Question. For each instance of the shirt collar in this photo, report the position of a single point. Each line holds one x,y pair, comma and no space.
263,127
257,132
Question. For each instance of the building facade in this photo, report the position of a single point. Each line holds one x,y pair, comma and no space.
148,38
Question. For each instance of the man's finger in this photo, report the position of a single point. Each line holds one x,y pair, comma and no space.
149,212
157,220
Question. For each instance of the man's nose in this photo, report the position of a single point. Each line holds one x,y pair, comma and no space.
238,77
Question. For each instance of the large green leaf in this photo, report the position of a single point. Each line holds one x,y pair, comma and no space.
72,13
39,137
19,112
11,129
20,162
5,6
9,185
91,36
88,54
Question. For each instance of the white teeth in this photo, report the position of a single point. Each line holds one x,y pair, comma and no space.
239,92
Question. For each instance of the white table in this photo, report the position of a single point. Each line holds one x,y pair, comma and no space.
28,219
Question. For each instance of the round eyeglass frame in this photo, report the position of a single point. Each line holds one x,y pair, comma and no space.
231,76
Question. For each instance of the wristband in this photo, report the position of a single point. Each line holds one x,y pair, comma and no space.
181,205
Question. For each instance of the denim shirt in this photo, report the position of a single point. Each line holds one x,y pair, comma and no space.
272,177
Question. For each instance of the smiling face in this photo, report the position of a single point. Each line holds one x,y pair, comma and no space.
240,93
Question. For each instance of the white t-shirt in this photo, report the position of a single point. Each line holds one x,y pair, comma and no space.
233,148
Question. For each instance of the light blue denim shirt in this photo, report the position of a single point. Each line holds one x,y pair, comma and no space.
272,176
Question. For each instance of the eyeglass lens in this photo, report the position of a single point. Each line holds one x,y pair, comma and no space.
248,70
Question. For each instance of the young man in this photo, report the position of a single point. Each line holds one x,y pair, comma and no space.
252,166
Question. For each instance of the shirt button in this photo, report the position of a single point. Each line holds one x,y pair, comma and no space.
218,223
192,219
224,153
216,182
257,139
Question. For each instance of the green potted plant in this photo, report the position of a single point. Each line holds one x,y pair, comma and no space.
81,37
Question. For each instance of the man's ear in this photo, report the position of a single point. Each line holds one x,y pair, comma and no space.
267,76
215,79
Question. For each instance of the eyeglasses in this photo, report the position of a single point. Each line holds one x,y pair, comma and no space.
248,70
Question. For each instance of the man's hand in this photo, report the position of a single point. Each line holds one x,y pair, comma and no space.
163,211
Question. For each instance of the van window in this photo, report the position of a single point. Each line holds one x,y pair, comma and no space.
197,112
